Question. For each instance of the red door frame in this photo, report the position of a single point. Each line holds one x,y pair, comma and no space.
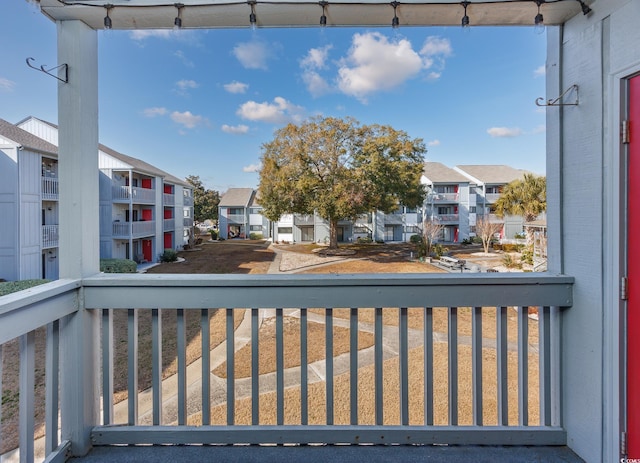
168,240
633,272
147,215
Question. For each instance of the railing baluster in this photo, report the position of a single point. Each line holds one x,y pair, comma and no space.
523,366
231,392
428,366
353,365
502,367
182,366
26,400
403,328
453,366
544,358
304,369
378,353
205,329
107,366
156,366
132,364
279,368
329,363
476,364
51,387
255,366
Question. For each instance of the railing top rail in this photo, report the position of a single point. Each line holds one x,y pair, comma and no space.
26,310
364,290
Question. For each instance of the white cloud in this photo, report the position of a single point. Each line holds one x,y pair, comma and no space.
187,84
434,143
540,71
316,58
143,34
153,112
236,87
374,63
539,129
252,168
187,119
436,46
186,61
253,55
280,111
235,129
6,84
504,132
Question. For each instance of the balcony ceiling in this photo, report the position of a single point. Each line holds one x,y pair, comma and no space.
208,14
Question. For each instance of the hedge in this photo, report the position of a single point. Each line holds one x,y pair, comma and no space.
9,287
118,266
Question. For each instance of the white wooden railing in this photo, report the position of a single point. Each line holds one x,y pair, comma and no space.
415,324
137,194
448,217
50,188
444,197
168,199
169,224
49,236
134,229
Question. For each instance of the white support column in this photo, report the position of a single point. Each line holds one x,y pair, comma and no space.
79,227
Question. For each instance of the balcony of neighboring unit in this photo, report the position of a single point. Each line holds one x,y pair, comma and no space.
364,219
49,236
187,200
168,199
137,229
240,219
447,218
187,222
444,198
50,188
137,195
490,197
303,219
493,218
169,224
393,219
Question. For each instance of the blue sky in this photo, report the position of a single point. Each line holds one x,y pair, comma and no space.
202,102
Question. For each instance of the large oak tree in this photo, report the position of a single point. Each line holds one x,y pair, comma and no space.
339,169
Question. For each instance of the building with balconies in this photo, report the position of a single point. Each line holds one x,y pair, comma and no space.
485,185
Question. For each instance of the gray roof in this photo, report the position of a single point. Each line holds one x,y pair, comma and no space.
437,172
135,163
492,174
26,139
238,197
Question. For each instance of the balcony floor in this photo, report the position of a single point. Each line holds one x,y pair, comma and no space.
330,453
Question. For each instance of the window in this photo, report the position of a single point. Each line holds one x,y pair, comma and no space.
187,212
472,190
360,230
285,230
412,229
235,211
410,210
255,210
472,209
444,210
255,228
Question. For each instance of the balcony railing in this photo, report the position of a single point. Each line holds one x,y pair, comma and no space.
169,224
393,219
136,194
49,236
400,338
187,222
303,219
169,199
50,188
444,198
491,197
237,219
134,229
448,218
187,200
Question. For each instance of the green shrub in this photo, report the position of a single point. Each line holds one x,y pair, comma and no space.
364,239
509,262
14,286
169,255
214,234
527,255
118,266
416,239
255,236
520,236
509,247
438,250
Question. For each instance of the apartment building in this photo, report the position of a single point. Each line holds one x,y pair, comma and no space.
240,215
143,210
485,185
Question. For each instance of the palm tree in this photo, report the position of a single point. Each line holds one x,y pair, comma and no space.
526,197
